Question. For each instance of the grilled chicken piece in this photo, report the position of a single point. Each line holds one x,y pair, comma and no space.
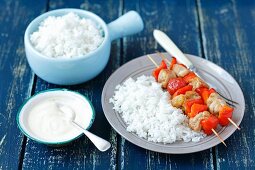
180,70
178,101
164,76
212,97
214,103
192,95
196,82
194,123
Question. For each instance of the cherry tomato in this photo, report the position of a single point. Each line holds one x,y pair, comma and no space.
174,84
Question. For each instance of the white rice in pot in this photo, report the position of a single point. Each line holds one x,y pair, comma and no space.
147,112
66,36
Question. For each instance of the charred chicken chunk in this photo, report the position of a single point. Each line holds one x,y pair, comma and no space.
194,123
178,101
180,70
215,103
192,95
164,76
196,82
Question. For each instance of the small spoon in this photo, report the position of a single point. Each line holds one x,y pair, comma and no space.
69,115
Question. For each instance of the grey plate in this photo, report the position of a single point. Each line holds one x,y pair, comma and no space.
214,74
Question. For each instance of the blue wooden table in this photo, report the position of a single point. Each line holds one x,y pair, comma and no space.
220,31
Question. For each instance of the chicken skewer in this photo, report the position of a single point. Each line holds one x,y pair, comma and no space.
228,100
208,121
215,103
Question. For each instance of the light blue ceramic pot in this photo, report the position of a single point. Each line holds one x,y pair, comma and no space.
81,68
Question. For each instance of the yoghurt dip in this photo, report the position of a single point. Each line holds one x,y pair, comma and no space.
41,118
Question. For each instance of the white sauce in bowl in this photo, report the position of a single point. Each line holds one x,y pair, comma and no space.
47,121
41,119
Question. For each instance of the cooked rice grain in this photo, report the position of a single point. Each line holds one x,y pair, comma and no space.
146,110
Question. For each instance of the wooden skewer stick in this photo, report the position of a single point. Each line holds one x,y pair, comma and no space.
231,121
222,141
163,57
153,61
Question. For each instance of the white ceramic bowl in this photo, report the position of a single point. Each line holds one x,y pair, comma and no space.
24,115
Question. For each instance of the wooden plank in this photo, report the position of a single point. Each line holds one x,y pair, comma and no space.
16,77
81,154
228,40
179,20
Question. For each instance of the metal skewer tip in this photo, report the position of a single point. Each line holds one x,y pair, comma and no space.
231,121
222,141
232,101
153,61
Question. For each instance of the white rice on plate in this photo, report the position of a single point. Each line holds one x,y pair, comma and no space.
147,112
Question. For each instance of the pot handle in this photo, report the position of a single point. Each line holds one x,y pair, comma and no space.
128,24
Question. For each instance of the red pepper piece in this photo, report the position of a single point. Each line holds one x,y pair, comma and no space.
189,77
156,71
174,84
225,113
203,92
199,90
190,102
173,62
197,108
182,90
212,90
205,95
209,124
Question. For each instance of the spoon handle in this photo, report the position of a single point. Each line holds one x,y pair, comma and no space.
100,143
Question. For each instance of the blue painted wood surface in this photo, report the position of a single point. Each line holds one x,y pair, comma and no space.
16,78
220,31
228,40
